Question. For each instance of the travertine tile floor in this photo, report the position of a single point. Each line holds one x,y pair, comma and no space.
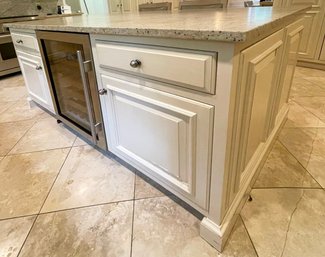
59,197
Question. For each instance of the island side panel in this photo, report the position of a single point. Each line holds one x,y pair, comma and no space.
261,82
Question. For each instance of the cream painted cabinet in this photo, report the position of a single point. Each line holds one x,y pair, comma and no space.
31,65
322,54
261,66
122,6
312,23
165,136
312,37
34,76
294,33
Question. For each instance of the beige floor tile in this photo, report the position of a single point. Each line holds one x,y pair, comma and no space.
144,190
286,222
13,234
300,117
281,169
11,133
88,177
20,111
16,80
9,94
315,105
303,87
46,134
101,231
316,164
299,142
26,180
5,105
267,218
163,228
79,142
309,73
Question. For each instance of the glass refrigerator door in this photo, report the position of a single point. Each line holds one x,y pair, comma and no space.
67,83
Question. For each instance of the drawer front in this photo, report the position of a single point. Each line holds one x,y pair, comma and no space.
164,136
194,70
25,41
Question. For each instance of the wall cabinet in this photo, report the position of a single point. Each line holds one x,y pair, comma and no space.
165,136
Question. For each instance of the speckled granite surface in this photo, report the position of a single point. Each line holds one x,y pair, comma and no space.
232,24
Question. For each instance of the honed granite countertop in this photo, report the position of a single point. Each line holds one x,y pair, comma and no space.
230,24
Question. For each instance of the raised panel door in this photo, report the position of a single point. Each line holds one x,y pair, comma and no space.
293,38
165,136
260,77
312,22
322,54
35,80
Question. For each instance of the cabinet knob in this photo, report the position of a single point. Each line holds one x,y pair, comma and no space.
38,67
19,41
135,63
102,91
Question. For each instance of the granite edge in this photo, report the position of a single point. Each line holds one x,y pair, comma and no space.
225,36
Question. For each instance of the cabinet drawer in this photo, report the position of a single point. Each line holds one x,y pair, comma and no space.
190,69
25,41
166,137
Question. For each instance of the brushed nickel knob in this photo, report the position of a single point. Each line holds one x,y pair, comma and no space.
38,67
102,91
135,63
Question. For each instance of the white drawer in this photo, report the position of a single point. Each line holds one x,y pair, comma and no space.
191,69
25,41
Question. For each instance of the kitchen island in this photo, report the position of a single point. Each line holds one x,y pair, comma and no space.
193,100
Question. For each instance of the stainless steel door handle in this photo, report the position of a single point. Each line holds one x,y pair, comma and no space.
102,91
38,67
85,84
135,63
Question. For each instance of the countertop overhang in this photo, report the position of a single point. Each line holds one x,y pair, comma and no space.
228,25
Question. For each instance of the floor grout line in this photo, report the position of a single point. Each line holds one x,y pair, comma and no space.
132,229
30,230
305,168
18,217
249,236
40,151
22,246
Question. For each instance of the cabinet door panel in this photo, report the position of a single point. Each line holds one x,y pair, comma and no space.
322,54
165,136
35,80
260,79
303,2
312,23
294,35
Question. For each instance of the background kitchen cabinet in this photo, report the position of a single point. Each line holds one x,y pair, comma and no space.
313,35
122,6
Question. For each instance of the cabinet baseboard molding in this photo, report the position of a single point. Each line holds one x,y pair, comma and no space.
312,65
217,235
